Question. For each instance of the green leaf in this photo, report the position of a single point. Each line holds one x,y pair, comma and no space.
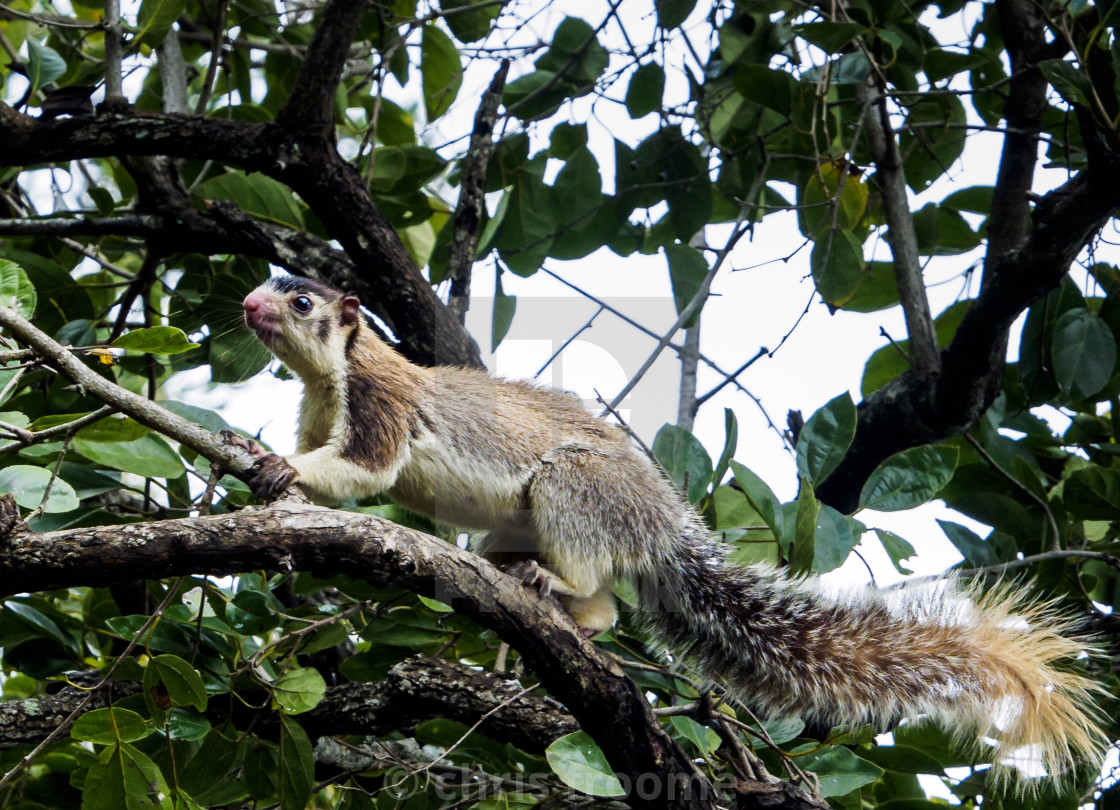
16,290
685,460
155,340
125,779
832,197
186,724
687,271
256,194
643,94
40,621
297,765
897,549
441,72
1073,85
909,478
838,770
28,485
976,551
580,764
505,306
469,26
1083,353
804,535
833,539
149,456
830,37
825,438
731,431
775,89
671,13
762,499
838,266
155,20
299,690
878,290
705,740
44,65
251,613
182,681
110,726
1093,493
932,139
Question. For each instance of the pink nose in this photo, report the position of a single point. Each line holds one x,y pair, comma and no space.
257,309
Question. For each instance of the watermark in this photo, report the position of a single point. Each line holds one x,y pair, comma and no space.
473,786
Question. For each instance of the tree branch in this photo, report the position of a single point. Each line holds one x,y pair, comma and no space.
903,239
323,541
311,103
414,690
309,164
905,413
472,196
146,412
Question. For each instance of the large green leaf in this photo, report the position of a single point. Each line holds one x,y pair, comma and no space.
1083,353
155,20
805,530
580,764
838,266
255,194
149,456
299,690
684,459
125,779
111,725
835,537
838,770
44,65
909,478
155,340
762,499
687,271
297,765
825,438
28,485
643,94
441,72
16,290
182,681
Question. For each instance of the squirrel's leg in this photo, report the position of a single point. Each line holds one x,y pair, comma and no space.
584,513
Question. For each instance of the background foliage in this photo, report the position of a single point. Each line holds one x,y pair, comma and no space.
131,234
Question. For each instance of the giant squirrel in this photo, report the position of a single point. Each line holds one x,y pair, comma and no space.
570,506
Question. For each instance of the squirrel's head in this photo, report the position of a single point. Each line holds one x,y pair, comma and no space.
305,324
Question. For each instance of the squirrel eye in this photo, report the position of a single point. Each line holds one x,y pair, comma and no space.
302,304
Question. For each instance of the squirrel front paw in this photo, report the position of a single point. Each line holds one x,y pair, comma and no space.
272,474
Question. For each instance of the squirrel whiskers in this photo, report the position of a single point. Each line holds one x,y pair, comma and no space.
570,506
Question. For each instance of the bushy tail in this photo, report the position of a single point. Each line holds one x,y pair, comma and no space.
980,666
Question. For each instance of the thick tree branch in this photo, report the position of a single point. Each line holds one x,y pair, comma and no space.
308,163
311,103
905,412
323,541
233,459
415,690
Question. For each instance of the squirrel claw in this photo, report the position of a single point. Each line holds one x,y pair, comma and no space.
531,573
272,474
251,445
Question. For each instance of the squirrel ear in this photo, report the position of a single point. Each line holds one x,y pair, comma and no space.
350,307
